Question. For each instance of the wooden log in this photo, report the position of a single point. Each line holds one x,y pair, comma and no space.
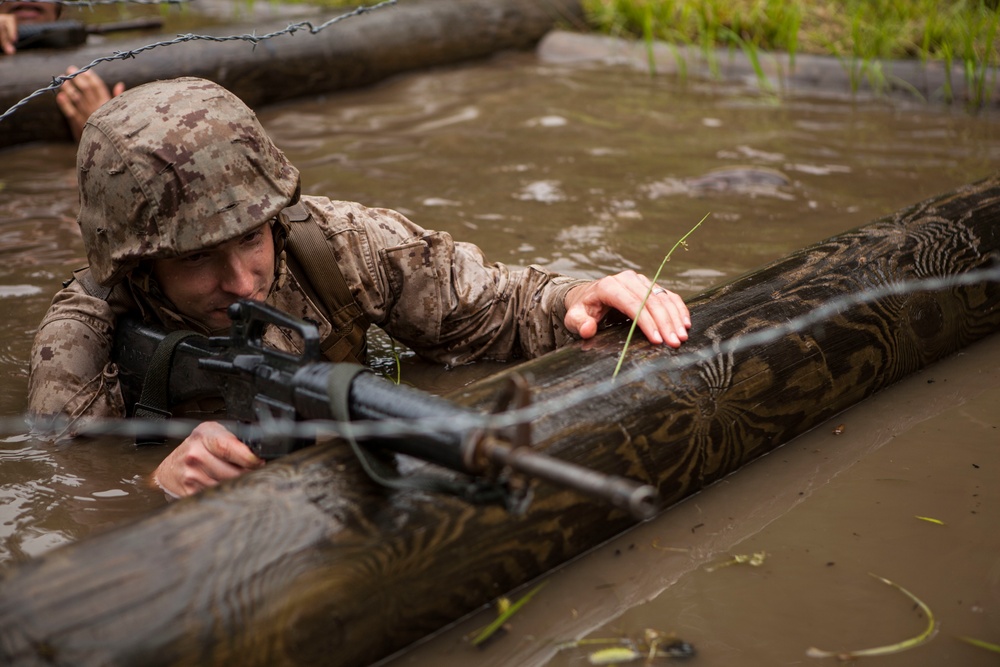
305,562
355,52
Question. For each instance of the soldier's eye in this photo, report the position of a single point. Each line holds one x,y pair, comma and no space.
252,237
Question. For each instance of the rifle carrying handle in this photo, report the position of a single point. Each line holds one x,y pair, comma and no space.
250,319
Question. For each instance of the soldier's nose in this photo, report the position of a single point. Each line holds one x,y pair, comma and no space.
238,280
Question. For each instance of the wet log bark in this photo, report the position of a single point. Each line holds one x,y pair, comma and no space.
356,52
305,563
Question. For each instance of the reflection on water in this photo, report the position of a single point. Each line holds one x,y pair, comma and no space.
55,494
586,171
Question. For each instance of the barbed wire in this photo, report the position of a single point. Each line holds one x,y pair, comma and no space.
253,39
94,3
464,423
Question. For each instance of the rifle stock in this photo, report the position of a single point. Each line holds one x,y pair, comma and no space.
69,33
256,383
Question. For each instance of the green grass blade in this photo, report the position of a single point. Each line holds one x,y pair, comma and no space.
488,631
981,644
631,331
913,642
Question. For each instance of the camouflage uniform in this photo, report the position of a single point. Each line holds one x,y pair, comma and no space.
439,297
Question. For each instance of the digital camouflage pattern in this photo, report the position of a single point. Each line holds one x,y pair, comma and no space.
439,297
156,163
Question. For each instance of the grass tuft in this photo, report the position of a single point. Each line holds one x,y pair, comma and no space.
861,33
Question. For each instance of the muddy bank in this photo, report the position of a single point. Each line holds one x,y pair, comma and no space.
803,73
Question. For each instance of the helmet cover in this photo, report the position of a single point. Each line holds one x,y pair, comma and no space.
173,167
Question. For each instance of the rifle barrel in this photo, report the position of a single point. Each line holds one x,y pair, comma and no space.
639,500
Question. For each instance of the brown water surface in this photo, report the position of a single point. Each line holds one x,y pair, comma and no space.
587,170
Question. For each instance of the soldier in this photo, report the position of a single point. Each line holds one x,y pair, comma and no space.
186,205
80,96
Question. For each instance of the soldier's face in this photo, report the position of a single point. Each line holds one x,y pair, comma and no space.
31,12
202,285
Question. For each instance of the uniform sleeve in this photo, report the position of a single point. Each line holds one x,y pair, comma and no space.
71,369
443,298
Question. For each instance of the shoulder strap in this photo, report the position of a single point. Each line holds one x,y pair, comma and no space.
154,402
311,260
91,286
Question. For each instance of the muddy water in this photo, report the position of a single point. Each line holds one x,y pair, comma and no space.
589,170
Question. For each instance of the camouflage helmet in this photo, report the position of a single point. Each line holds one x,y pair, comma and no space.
173,167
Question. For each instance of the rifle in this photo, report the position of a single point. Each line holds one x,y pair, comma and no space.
260,384
66,34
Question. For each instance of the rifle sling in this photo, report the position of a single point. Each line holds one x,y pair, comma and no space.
154,403
475,491
314,264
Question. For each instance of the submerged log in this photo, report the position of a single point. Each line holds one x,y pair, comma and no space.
355,52
304,562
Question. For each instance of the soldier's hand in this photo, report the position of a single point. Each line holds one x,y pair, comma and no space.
208,456
663,319
83,95
8,34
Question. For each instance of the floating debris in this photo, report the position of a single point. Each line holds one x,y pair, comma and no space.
891,648
663,645
930,519
656,545
981,644
614,655
755,560
505,609
653,645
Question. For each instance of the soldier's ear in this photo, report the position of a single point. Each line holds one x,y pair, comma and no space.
141,276
280,235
